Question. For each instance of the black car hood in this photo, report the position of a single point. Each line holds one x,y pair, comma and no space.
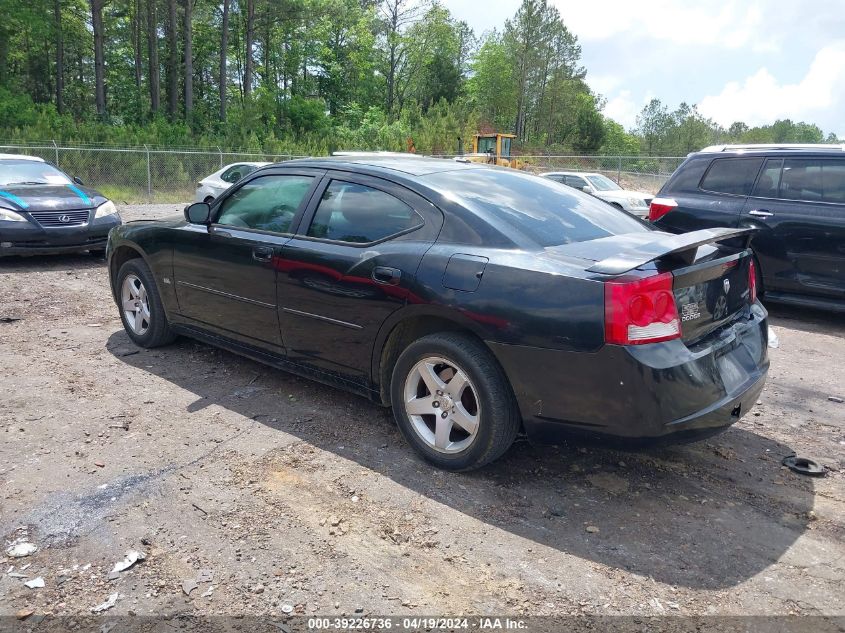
49,197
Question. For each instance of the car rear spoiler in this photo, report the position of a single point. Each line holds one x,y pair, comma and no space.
681,246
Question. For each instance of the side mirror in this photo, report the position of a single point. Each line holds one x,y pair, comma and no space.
586,189
198,213
78,180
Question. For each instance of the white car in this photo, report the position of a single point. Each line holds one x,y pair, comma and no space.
212,186
601,186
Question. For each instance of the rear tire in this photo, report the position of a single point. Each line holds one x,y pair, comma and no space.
141,309
453,402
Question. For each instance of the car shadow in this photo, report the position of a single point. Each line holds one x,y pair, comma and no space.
806,319
46,263
707,515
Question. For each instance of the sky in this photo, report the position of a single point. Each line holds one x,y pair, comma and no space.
749,60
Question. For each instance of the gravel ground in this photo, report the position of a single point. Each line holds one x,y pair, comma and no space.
297,496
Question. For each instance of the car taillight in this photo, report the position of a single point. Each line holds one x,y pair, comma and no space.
752,282
641,311
660,207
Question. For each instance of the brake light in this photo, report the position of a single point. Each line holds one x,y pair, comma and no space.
641,311
660,207
752,282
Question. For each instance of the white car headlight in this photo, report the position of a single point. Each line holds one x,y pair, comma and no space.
637,203
107,208
11,216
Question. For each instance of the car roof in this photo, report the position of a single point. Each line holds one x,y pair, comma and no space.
410,164
785,148
36,159
247,162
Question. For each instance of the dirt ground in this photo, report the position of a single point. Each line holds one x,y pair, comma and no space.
297,497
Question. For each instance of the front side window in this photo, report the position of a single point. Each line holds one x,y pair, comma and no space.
268,203
732,175
506,147
813,180
487,144
350,212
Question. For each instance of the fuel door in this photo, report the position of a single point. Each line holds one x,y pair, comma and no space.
464,272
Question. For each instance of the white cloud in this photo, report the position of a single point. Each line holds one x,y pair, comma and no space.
728,23
760,98
622,109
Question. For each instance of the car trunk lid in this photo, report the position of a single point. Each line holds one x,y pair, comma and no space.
710,282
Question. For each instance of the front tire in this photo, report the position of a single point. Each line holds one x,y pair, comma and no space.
141,309
453,402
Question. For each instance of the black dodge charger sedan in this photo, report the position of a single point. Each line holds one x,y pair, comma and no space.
476,301
42,210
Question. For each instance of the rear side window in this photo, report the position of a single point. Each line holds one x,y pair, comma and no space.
350,212
575,181
813,180
236,172
732,175
769,181
540,210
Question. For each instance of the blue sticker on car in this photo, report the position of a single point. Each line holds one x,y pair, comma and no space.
14,198
80,193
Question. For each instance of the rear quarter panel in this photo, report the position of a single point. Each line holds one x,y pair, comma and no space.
697,209
521,299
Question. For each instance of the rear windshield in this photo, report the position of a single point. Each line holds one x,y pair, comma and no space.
546,212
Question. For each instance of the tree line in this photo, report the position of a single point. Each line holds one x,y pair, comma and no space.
311,76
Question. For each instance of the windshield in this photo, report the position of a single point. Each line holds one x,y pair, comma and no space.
603,183
30,172
540,209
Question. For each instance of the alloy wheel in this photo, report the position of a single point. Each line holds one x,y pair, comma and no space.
442,404
135,304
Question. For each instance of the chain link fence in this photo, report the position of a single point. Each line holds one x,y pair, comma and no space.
140,174
635,173
157,174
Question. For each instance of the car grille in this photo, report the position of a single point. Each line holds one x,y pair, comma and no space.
61,218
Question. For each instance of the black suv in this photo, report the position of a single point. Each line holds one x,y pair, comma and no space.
793,194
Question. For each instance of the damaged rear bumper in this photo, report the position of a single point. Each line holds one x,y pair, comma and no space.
666,391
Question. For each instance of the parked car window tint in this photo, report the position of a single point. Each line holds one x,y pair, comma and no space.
769,180
349,212
833,179
813,179
236,172
575,181
732,175
603,183
268,203
534,207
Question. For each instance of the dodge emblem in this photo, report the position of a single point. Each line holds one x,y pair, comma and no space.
64,219
727,285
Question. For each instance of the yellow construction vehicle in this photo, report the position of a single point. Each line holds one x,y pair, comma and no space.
494,149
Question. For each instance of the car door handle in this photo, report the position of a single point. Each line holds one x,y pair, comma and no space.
386,275
262,253
761,213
